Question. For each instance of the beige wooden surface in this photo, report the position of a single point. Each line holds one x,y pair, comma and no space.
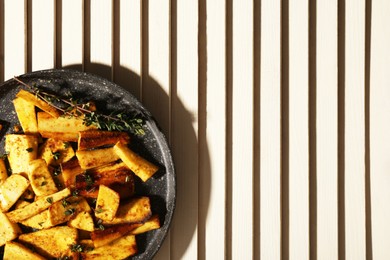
277,112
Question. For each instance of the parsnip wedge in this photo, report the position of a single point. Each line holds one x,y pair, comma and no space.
55,152
107,203
106,236
94,158
97,138
66,209
11,190
121,248
53,242
8,230
21,150
140,166
62,128
150,224
37,206
26,115
83,221
41,180
31,98
17,251
3,171
70,170
108,175
136,210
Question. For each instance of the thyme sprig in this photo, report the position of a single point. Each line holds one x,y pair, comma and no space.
73,108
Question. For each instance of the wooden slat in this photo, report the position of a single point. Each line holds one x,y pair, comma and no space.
155,74
380,128
355,236
213,167
298,130
184,232
128,67
101,38
14,38
327,222
43,35
242,130
155,69
270,123
72,33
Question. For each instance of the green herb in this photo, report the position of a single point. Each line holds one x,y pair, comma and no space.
65,203
74,108
50,200
41,223
99,209
79,248
69,212
56,155
75,193
89,180
76,248
101,227
30,149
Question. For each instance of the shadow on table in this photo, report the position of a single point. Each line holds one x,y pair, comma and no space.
191,212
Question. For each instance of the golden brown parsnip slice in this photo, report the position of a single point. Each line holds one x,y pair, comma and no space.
37,206
140,166
106,236
21,149
31,98
41,180
108,175
96,138
94,158
11,190
134,211
107,203
66,209
70,170
38,221
121,248
150,224
83,221
63,128
17,251
54,242
3,171
26,115
55,152
8,230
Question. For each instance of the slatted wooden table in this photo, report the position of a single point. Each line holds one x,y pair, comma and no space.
277,112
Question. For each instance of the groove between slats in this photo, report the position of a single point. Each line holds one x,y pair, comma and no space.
341,128
256,127
229,124
367,105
